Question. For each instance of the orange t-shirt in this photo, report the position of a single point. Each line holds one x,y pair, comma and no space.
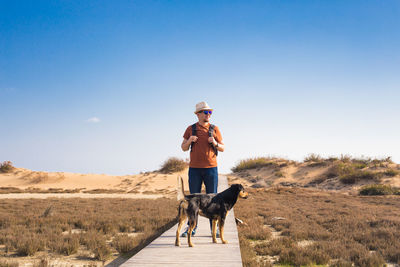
202,154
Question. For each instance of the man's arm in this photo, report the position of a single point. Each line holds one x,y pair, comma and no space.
186,142
219,145
213,140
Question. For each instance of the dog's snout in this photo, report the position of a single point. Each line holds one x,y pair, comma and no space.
243,194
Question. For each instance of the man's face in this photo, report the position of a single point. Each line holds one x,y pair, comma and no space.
203,117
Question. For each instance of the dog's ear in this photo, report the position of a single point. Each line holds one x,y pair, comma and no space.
237,187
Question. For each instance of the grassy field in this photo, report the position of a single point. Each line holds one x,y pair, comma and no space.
303,227
85,231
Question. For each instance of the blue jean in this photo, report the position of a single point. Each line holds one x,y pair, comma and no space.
207,175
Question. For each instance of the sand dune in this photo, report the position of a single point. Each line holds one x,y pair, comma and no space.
143,185
311,175
156,184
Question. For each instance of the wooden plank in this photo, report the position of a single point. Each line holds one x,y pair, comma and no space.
163,252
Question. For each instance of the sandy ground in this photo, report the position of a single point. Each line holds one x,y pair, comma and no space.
156,184
144,185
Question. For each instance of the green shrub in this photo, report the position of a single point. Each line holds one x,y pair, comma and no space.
350,173
381,161
313,158
391,172
332,159
361,161
6,166
173,164
377,189
357,175
254,163
360,165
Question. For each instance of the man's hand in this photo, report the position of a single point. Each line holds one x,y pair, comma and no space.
211,140
186,142
192,138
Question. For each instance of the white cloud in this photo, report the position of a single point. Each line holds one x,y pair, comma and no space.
93,120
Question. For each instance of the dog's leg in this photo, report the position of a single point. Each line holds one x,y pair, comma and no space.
192,225
178,231
214,231
181,219
221,222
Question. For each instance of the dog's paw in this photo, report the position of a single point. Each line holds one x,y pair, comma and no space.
191,245
224,242
215,241
177,244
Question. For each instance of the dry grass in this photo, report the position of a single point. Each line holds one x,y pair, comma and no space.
104,191
9,190
6,167
173,165
59,227
315,160
124,243
342,229
8,263
260,162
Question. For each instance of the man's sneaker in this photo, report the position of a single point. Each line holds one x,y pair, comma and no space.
184,234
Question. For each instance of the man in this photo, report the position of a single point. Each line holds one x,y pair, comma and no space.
203,154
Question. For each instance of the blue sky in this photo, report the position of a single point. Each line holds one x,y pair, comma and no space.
110,86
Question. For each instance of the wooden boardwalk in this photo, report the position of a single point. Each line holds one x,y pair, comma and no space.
163,252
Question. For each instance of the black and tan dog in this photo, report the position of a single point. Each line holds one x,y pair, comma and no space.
212,206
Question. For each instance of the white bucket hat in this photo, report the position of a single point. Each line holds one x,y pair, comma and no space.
202,106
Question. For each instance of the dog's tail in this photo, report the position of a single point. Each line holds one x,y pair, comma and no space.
181,189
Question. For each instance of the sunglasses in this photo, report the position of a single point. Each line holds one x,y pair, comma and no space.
206,112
